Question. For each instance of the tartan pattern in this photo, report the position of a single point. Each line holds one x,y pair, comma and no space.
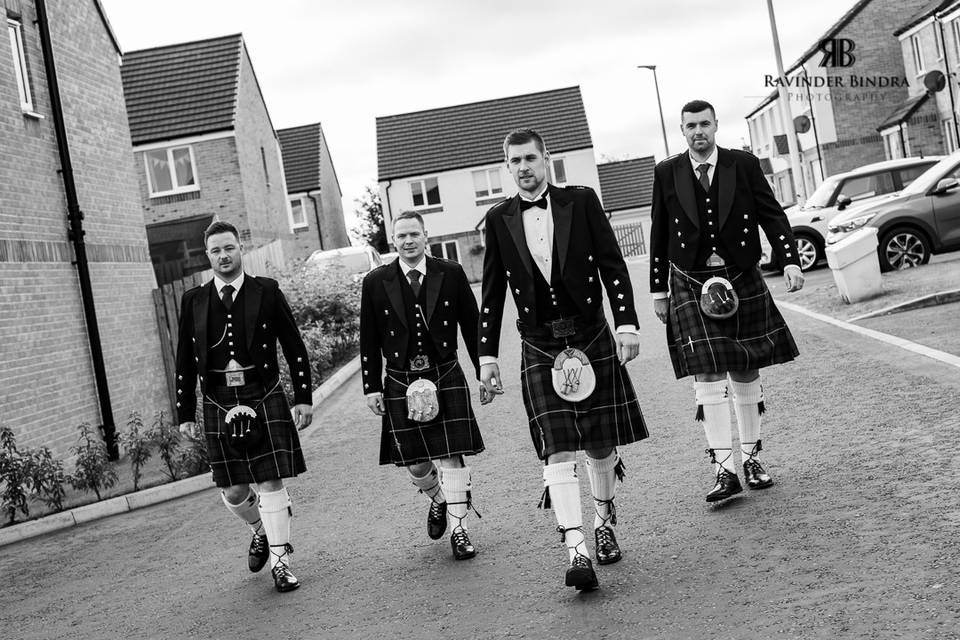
277,456
610,417
753,338
452,433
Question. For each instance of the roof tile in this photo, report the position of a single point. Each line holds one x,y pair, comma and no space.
627,184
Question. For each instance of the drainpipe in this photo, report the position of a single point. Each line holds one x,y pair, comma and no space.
946,67
316,213
76,233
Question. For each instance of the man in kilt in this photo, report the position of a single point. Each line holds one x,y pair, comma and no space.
229,328
551,248
708,206
409,312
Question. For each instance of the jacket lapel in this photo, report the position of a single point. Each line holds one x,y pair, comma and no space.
562,220
251,306
683,181
434,282
514,221
391,284
201,305
726,172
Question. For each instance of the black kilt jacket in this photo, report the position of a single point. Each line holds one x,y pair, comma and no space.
746,203
587,252
383,318
267,319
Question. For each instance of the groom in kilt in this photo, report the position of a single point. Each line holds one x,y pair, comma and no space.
409,312
708,207
229,329
552,248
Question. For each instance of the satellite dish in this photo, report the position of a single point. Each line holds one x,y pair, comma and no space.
801,124
934,81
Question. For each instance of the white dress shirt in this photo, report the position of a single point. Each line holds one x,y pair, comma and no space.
420,266
236,284
711,160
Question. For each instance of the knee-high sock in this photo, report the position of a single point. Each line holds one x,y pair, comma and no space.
714,411
429,483
277,512
603,485
456,489
748,403
561,481
247,510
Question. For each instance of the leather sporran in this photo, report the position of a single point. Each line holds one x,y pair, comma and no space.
422,402
573,377
718,300
241,428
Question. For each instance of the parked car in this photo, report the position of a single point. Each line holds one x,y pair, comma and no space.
921,220
837,193
357,261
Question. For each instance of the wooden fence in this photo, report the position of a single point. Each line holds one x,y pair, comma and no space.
630,237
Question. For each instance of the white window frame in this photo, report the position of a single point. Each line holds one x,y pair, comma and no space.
443,248
423,189
294,225
15,33
553,171
937,48
173,174
949,134
486,173
955,30
917,49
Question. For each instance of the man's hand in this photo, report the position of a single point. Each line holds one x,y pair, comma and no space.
302,416
485,398
376,404
793,277
628,346
189,429
661,306
490,378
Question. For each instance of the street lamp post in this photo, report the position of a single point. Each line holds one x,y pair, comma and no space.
663,127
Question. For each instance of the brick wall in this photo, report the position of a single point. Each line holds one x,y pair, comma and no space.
46,384
306,239
331,218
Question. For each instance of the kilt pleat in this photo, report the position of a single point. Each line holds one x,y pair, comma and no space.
755,337
452,433
278,454
609,417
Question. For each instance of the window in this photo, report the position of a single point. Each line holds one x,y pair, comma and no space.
170,170
949,132
559,171
486,182
867,186
425,192
298,214
955,30
936,44
917,53
910,174
266,173
449,250
15,31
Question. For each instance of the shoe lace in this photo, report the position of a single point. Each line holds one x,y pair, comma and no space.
280,569
258,543
604,536
611,510
459,537
753,466
436,510
580,560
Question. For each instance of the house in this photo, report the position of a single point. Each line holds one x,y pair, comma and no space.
845,85
205,148
448,164
313,192
77,323
627,187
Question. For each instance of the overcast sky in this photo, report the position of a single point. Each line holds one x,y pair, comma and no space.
345,63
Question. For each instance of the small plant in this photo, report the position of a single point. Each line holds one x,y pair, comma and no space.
93,471
165,435
192,459
136,444
46,477
14,468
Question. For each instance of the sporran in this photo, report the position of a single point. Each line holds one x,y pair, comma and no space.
422,402
718,300
572,375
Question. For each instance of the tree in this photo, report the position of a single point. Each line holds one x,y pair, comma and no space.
369,227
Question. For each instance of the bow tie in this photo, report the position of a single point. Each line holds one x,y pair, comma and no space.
526,204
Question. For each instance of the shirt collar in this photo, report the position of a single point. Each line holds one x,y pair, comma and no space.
542,194
420,266
711,159
236,284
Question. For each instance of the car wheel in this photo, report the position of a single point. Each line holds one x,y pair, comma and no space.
903,248
809,252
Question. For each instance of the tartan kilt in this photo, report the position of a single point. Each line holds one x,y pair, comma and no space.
453,432
278,454
609,417
756,336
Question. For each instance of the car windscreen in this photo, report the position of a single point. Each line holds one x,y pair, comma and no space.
353,263
946,168
819,198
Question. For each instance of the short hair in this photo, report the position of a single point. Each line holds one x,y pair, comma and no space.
696,106
220,226
410,215
523,136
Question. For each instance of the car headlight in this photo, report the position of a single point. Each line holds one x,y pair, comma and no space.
852,224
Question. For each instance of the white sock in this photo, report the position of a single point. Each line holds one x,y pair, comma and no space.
603,485
246,510
561,481
747,398
714,410
277,512
429,483
456,489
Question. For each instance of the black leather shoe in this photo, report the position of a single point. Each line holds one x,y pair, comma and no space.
259,552
580,574
755,476
462,547
728,484
283,579
608,551
437,520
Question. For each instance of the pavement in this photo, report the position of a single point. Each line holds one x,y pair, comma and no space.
857,538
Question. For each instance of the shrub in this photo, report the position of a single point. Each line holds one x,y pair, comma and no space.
192,460
166,436
93,471
136,444
14,468
46,478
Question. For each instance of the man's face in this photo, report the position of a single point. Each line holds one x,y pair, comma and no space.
528,166
410,239
700,130
223,251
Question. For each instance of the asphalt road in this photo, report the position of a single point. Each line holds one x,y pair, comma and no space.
858,538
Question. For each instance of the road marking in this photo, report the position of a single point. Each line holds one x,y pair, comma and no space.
946,358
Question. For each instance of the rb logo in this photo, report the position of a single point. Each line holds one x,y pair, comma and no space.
836,52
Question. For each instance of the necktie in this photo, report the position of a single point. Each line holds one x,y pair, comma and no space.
414,276
227,293
704,178
540,202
